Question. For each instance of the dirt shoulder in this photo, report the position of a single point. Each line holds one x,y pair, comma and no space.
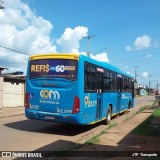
121,137
10,112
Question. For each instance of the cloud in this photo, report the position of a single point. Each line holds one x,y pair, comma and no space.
102,57
14,62
21,28
83,53
145,74
142,42
125,67
69,41
128,48
149,56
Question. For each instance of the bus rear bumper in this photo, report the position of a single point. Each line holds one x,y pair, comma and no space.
54,117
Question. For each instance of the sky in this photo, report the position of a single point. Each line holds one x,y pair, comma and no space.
124,33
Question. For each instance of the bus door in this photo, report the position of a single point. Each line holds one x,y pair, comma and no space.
119,91
99,94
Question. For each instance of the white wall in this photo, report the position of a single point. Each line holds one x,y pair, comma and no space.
13,94
1,92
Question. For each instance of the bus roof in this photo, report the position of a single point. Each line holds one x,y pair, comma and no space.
107,66
55,55
76,57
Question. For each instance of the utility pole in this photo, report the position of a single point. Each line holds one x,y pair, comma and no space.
149,84
136,73
157,85
89,37
1,4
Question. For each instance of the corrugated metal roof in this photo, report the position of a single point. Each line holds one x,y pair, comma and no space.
2,68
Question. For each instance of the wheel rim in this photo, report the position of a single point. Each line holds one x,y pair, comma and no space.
109,115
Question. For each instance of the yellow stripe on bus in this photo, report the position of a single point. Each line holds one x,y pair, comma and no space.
114,114
98,121
105,117
120,112
54,56
124,110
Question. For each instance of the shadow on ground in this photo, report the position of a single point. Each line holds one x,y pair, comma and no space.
38,126
50,127
124,149
131,143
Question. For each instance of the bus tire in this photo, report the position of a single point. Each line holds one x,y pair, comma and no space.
108,116
129,105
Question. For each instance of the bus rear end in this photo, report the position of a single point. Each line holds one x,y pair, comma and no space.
51,90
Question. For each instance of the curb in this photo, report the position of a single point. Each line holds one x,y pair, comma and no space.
12,115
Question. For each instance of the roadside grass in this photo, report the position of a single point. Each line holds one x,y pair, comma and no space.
156,113
151,126
137,96
111,125
95,139
141,110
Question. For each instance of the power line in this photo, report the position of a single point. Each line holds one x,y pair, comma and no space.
135,58
155,50
5,29
14,50
132,52
156,76
99,50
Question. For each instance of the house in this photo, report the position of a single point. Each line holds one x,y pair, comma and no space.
2,69
12,89
1,86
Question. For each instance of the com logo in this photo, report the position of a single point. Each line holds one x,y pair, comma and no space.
50,94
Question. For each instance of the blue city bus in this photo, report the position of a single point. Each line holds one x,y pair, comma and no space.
73,88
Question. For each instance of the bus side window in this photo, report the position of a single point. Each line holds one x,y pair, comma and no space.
125,84
90,80
130,85
109,81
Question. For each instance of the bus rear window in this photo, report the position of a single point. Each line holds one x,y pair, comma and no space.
53,68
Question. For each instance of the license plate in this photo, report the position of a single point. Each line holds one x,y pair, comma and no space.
49,117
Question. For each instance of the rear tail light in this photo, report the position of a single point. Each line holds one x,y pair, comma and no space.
76,107
26,100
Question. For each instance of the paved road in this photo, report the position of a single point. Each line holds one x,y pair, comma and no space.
141,101
21,134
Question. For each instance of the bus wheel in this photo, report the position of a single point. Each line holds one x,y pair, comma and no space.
129,105
108,116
